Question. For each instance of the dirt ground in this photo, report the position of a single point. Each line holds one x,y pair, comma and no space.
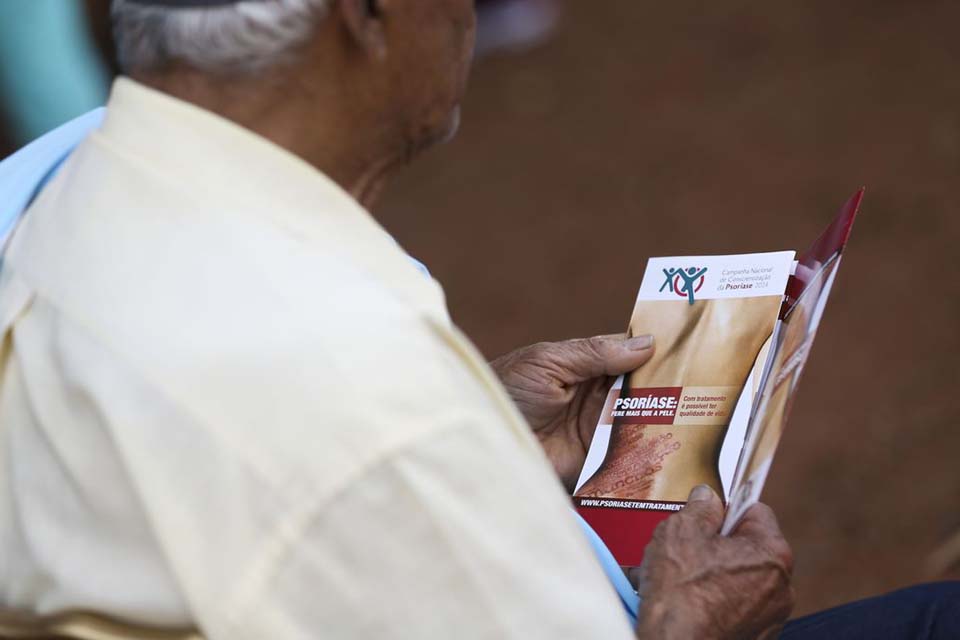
681,128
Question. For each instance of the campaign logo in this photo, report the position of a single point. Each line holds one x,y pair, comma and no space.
684,282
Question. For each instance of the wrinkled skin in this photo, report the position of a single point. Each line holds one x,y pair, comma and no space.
377,83
696,583
560,388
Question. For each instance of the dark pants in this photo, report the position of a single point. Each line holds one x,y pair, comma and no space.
926,612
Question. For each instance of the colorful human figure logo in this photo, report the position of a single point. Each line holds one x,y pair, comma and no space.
692,277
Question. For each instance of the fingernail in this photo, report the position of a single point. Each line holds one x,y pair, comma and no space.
700,493
639,343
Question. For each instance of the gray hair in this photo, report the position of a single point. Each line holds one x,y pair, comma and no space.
243,37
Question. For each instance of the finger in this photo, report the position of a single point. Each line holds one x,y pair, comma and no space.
758,522
610,355
760,525
635,575
704,508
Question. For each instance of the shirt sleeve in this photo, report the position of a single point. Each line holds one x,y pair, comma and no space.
454,536
289,497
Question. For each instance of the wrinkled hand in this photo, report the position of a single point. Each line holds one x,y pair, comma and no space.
696,583
560,388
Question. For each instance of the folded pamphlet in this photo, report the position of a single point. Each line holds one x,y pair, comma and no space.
733,333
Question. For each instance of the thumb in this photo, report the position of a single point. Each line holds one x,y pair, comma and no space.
609,355
705,508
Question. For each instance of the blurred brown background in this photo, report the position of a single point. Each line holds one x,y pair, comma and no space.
646,129
667,128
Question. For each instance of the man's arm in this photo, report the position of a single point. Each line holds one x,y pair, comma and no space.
457,535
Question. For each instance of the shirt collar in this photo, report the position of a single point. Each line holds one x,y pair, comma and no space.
220,161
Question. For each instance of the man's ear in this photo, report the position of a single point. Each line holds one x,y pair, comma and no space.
364,22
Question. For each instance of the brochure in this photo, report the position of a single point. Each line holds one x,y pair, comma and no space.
733,333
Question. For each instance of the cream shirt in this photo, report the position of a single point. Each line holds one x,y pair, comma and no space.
228,399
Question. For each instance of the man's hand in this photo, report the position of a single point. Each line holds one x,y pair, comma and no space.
696,583
560,388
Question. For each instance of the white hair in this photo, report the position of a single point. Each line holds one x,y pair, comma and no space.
233,38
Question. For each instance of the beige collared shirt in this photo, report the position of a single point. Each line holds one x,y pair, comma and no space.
228,399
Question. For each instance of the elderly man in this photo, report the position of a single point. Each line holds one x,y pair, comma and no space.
194,313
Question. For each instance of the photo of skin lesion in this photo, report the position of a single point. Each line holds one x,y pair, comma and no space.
711,344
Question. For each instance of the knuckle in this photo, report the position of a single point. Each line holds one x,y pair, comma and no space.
664,531
593,347
541,354
701,516
780,551
764,508
764,513
698,517
661,531
778,591
539,349
784,554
